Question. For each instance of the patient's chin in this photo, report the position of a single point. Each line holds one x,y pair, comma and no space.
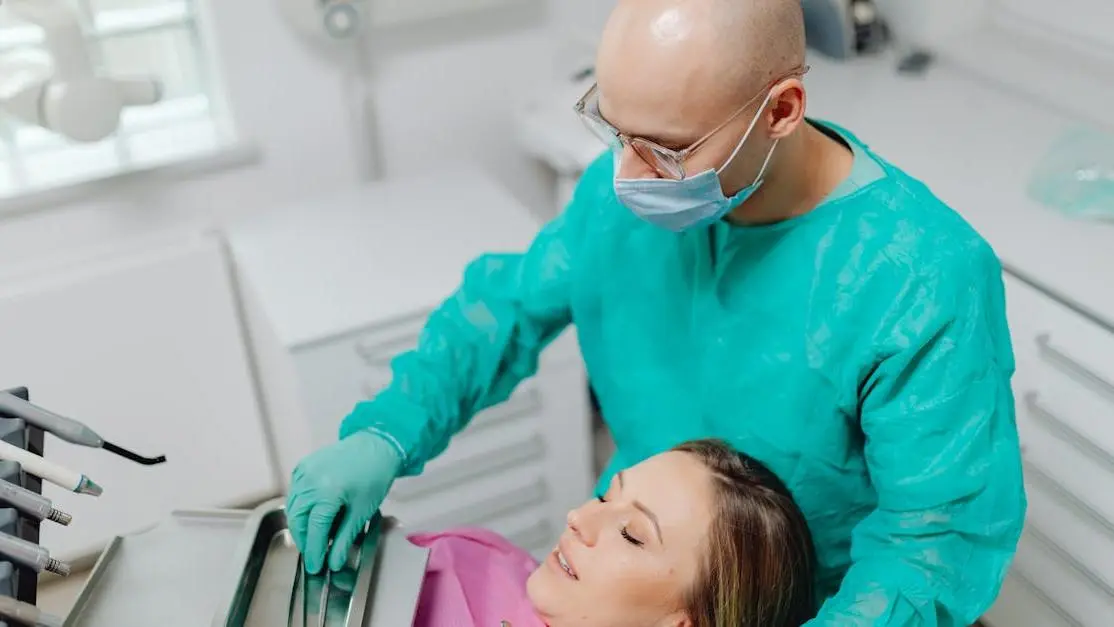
541,591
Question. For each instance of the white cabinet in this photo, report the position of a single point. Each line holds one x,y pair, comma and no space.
513,469
337,287
144,345
1063,573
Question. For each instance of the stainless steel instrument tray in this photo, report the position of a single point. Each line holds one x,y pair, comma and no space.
169,575
268,586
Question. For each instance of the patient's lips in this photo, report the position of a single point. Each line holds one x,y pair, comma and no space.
560,556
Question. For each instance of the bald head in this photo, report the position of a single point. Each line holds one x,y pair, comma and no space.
761,40
669,68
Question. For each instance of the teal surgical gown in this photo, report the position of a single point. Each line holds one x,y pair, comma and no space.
860,350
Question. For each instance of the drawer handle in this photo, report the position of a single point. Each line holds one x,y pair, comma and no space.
1061,494
1072,367
1060,429
511,502
380,354
480,464
1088,574
1045,599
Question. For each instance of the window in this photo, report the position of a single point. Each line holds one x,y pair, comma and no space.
159,38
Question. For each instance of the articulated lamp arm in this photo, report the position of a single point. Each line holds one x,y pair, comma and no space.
70,98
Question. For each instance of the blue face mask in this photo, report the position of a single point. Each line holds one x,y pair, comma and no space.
689,203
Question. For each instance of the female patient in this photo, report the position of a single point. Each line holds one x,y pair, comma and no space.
700,536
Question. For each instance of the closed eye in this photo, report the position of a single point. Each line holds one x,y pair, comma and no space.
624,532
629,538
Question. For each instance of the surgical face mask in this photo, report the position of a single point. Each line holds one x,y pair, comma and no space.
691,202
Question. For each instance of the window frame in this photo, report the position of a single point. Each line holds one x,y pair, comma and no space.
209,108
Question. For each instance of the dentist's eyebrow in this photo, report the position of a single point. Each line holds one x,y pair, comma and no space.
672,143
642,508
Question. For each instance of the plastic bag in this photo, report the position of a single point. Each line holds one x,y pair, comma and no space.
1076,175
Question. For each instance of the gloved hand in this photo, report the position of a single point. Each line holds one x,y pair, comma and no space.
350,478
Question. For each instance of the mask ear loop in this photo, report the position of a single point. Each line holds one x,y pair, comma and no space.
762,172
746,136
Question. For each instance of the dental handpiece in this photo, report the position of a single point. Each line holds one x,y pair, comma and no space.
49,471
31,555
67,429
35,505
27,614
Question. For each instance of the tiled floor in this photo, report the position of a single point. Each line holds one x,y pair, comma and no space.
57,596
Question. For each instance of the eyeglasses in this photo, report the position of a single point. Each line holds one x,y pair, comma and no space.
666,162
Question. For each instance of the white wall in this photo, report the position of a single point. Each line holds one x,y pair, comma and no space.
580,20
443,97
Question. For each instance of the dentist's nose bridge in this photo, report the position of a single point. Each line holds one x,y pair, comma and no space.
632,166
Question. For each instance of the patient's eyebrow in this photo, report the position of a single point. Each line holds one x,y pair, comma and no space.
642,508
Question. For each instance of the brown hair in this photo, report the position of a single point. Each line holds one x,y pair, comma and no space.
759,566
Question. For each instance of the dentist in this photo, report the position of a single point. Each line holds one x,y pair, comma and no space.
738,270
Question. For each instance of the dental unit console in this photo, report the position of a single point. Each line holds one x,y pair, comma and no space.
23,509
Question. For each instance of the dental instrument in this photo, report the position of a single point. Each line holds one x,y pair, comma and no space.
68,429
49,471
34,505
27,614
31,555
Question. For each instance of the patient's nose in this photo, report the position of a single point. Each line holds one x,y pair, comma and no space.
583,525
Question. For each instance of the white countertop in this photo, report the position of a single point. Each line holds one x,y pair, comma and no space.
976,146
974,142
371,254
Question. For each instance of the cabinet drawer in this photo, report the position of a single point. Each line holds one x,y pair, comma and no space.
1067,339
1071,524
1063,581
1066,361
1021,604
331,383
379,345
475,503
469,459
1076,465
336,375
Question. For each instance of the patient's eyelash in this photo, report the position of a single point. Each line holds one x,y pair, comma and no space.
629,538
626,534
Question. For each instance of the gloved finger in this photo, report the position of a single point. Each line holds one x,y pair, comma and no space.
344,539
320,523
297,518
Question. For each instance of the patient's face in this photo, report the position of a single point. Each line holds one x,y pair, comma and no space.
632,555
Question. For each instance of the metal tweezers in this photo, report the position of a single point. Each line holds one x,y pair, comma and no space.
297,614
299,609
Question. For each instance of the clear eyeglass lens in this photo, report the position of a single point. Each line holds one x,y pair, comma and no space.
601,131
664,164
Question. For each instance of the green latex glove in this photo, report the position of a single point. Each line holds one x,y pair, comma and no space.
349,479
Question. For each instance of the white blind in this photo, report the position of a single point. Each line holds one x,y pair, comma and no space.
159,38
